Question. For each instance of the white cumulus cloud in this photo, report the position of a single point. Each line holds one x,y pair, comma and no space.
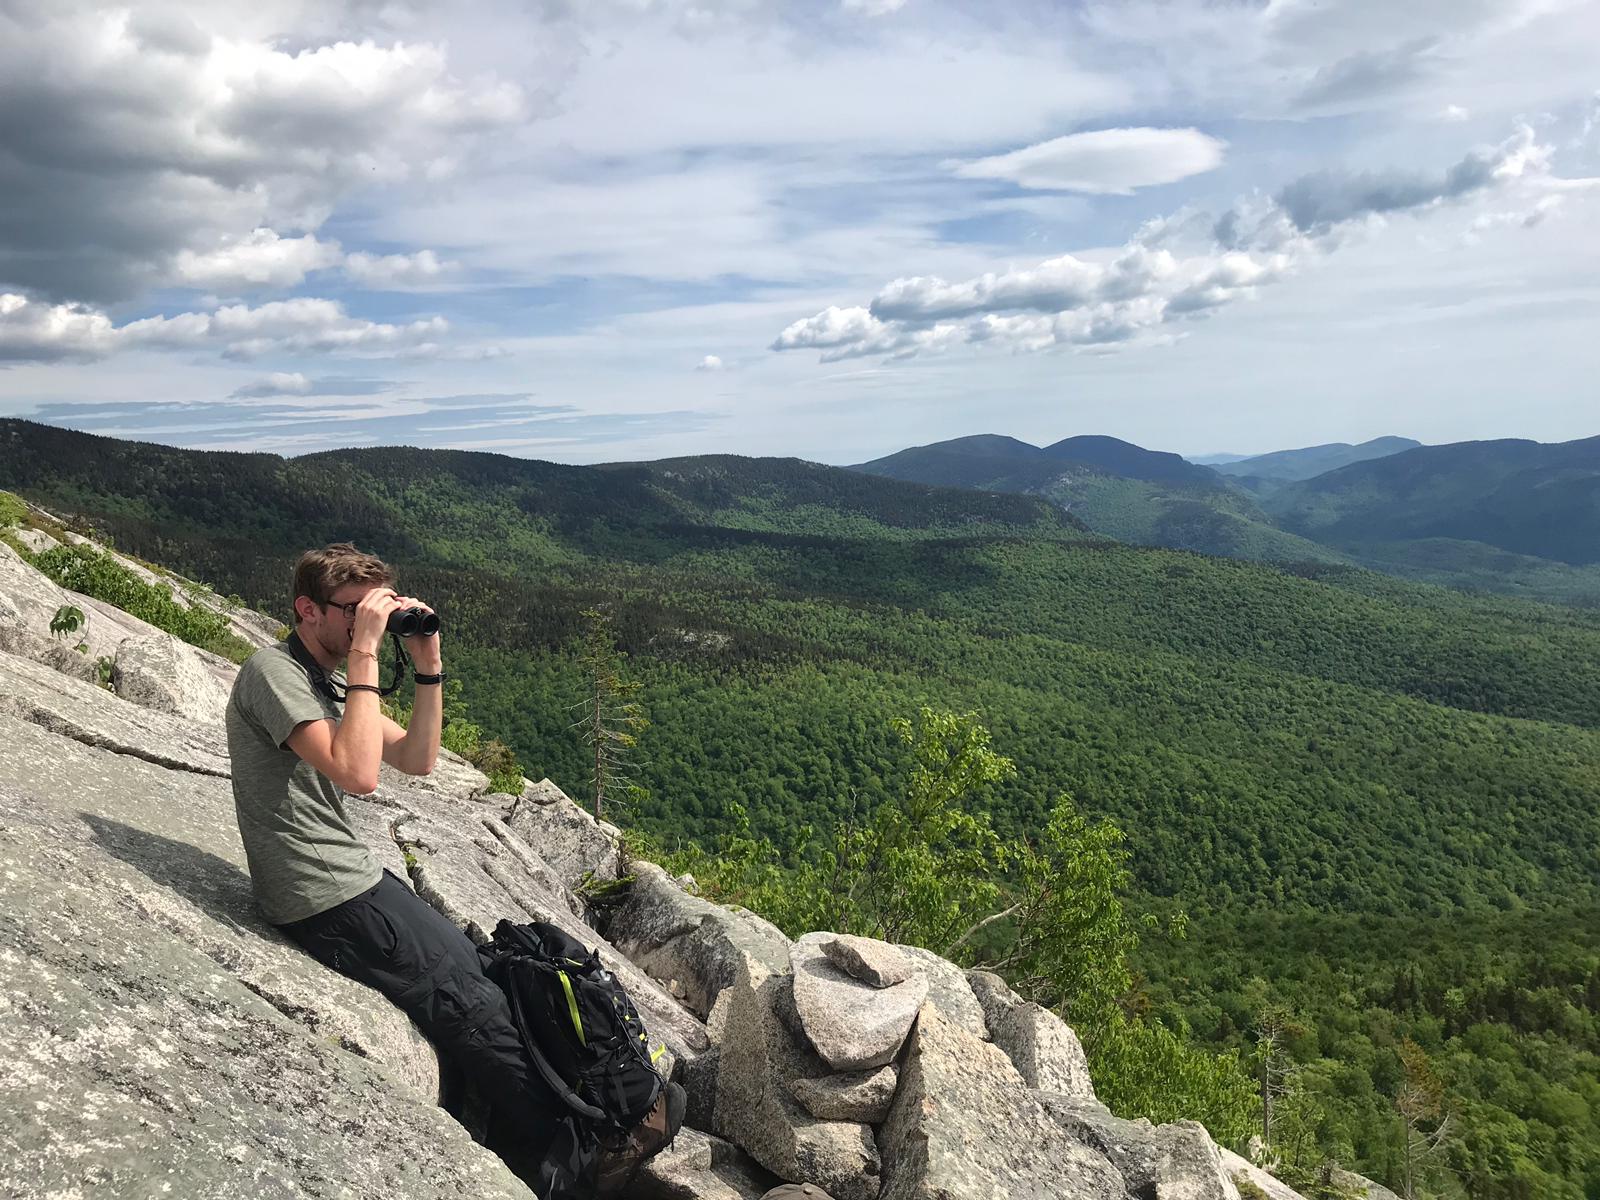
1175,270
709,363
260,259
41,332
264,259
1103,161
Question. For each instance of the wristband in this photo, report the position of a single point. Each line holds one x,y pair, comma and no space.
363,687
364,653
439,678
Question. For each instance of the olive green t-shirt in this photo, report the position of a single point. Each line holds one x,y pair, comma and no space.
304,855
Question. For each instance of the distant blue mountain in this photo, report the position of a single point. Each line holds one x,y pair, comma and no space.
1288,465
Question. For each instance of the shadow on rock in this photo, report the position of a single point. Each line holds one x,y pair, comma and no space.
212,884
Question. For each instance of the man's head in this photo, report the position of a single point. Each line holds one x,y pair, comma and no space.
327,585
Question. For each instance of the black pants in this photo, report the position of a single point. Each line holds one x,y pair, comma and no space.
390,939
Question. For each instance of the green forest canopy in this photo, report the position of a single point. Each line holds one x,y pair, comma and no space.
1291,752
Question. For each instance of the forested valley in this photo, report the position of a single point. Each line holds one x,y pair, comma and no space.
1373,802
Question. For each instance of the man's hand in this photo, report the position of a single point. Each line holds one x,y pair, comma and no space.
424,649
372,620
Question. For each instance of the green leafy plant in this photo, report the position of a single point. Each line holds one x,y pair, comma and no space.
1070,938
1143,1068
67,621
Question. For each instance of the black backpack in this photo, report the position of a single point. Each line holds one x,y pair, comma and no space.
584,1037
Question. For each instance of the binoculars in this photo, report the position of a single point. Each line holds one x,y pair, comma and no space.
413,622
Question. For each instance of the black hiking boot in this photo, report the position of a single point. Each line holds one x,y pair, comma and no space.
619,1164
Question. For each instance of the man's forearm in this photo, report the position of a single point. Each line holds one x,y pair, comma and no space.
421,747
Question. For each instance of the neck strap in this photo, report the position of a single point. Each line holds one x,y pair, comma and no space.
325,685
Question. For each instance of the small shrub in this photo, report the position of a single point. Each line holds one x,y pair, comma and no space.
93,572
499,762
13,512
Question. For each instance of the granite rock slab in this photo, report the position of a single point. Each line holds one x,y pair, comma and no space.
964,1126
1042,1046
862,1096
693,947
853,1025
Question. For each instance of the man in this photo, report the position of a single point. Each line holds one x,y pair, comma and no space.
296,752
302,736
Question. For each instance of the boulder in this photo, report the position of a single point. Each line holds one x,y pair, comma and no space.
1178,1161
698,1166
28,603
1039,1044
542,792
1359,1185
853,1025
158,671
862,1096
35,539
697,1075
870,961
17,638
755,1107
694,947
948,988
452,776
258,629
964,1126
1242,1169
578,848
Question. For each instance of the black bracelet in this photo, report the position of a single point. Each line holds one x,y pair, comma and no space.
363,687
439,678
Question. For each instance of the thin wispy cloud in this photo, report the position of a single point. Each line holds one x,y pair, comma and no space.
506,424
279,383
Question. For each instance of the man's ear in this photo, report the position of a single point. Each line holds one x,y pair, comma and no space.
304,607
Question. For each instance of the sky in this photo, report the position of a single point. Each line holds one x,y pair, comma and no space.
602,230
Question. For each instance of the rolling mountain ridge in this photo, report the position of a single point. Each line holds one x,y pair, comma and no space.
1510,515
1304,463
1527,498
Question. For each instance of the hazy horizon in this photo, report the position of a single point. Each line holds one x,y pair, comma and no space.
1194,457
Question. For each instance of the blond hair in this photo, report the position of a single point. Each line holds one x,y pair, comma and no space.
321,573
